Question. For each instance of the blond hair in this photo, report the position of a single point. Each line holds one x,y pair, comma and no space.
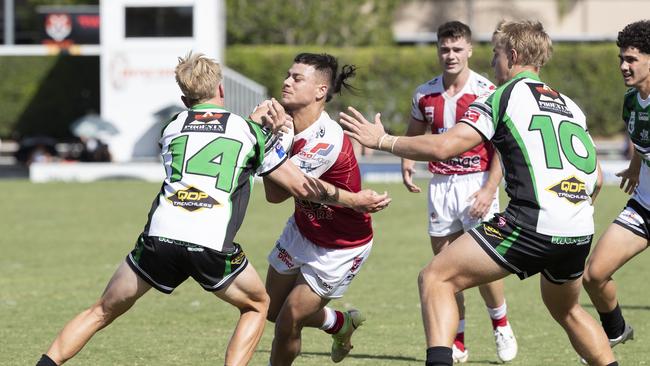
198,77
528,38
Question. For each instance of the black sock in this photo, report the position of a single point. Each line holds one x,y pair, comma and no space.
613,322
613,364
46,361
439,356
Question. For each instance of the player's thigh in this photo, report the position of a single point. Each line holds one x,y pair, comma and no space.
278,287
614,248
464,264
123,289
560,298
439,243
246,291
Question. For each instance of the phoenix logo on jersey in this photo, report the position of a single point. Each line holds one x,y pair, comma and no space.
549,100
572,189
197,121
192,199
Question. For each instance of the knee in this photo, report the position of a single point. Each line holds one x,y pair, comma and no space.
287,324
592,279
428,278
103,313
259,304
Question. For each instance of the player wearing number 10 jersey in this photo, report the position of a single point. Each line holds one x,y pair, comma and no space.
551,175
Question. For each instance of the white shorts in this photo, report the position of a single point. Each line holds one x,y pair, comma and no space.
327,271
449,205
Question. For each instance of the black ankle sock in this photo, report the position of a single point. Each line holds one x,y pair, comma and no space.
613,322
613,364
45,361
439,356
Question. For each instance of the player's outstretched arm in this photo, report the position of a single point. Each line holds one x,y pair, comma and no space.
438,147
290,178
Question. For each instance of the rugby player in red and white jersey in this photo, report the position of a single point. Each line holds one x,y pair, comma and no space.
464,189
322,246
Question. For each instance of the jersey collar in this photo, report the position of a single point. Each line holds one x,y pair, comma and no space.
527,74
206,106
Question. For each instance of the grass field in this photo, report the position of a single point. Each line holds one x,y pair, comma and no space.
61,242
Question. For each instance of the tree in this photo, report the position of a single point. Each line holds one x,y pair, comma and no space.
310,22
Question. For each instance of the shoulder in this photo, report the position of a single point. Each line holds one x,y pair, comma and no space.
481,84
432,86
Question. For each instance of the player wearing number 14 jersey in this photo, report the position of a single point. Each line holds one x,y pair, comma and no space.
552,177
210,156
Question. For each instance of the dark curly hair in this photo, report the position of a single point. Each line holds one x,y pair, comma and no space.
635,35
329,65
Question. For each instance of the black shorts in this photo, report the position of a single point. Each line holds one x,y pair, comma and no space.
635,218
166,263
525,252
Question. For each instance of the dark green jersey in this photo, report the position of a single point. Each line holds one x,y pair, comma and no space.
636,115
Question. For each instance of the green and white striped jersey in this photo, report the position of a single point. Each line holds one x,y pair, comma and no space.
548,155
210,156
636,115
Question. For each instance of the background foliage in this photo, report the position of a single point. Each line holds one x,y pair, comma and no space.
44,94
387,77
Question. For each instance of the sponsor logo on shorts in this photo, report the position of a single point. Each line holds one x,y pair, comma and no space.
324,284
193,199
205,122
575,240
356,263
502,221
492,231
631,216
239,258
284,256
572,189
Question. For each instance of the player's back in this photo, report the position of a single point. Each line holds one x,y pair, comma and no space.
549,157
209,156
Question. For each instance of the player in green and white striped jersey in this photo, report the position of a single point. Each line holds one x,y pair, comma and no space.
552,177
629,234
210,156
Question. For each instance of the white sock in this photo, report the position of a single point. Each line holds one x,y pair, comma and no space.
330,318
461,326
498,313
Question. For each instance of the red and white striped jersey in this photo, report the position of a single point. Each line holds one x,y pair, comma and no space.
323,151
433,106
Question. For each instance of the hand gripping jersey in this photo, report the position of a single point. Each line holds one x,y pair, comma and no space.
210,156
323,151
433,106
636,115
547,152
